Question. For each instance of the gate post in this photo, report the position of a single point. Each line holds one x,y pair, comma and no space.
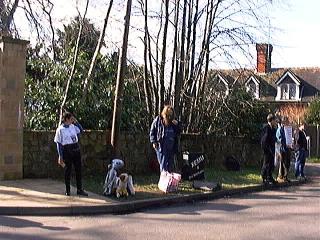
12,77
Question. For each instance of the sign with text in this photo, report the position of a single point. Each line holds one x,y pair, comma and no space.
288,135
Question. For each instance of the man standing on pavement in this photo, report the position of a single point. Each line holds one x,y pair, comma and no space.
284,137
67,140
268,140
301,147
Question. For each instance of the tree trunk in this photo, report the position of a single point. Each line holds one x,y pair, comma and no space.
73,69
96,52
175,44
179,80
163,55
7,19
146,86
116,120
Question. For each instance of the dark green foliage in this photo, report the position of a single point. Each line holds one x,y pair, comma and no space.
46,81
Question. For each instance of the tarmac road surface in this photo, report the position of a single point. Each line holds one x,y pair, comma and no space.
290,213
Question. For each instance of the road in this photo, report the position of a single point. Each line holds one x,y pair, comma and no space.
291,213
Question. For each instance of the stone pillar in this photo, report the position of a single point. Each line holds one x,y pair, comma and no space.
12,77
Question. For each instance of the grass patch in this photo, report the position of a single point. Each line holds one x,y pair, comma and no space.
313,160
229,179
147,186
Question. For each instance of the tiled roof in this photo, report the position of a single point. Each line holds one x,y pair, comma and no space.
309,78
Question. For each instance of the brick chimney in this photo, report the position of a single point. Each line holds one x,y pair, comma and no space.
263,57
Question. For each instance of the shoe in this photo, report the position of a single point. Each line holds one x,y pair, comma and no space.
303,179
264,181
82,193
280,179
67,193
272,181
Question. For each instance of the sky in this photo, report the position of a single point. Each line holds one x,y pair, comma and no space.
294,31
297,42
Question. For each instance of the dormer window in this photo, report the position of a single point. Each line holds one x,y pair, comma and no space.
288,87
221,86
252,86
288,91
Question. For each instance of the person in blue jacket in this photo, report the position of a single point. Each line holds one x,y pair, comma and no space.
67,140
164,134
285,151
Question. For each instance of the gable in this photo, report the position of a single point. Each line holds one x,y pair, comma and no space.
251,80
288,77
288,80
221,79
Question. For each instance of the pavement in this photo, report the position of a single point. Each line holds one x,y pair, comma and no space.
43,197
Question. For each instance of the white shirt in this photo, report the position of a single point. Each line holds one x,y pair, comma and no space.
66,135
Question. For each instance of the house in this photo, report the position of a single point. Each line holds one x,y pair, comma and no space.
290,90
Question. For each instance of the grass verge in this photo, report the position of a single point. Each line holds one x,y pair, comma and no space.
147,186
313,160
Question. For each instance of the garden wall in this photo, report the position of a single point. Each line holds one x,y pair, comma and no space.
40,155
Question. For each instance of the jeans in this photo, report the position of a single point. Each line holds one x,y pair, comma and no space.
165,160
301,155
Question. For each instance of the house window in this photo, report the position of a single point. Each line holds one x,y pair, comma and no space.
221,88
288,91
253,88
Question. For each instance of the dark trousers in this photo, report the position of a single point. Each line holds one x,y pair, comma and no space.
267,166
284,165
72,156
301,155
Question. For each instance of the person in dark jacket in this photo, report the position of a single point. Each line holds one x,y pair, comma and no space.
163,135
301,148
268,140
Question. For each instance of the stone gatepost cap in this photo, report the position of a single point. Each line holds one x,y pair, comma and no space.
8,39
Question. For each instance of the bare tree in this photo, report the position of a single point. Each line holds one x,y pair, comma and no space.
117,108
6,17
95,55
146,82
75,58
204,31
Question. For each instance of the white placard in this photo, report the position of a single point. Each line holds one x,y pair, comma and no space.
288,134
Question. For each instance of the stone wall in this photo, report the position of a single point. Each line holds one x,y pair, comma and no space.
12,75
40,155
216,149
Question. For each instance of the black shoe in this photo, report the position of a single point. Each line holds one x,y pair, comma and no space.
67,193
272,181
82,193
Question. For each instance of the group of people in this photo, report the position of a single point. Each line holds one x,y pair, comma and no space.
164,134
279,144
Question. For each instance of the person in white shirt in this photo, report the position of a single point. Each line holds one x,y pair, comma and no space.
67,140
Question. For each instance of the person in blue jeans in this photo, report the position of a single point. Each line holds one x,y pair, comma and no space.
301,147
163,135
285,150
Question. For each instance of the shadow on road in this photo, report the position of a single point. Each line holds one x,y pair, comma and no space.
14,236
22,223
